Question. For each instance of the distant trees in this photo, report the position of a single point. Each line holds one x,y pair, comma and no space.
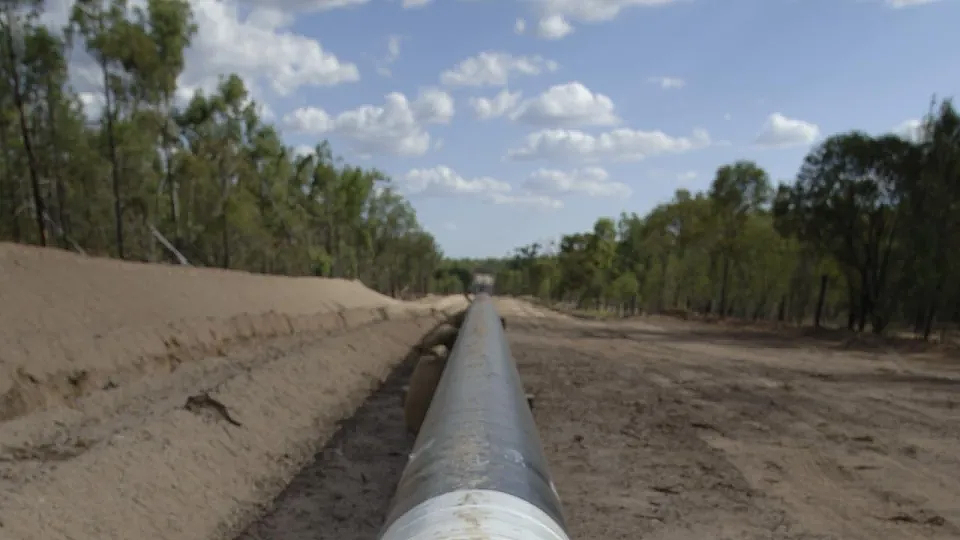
868,231
129,173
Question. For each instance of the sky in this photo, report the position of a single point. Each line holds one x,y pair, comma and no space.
506,122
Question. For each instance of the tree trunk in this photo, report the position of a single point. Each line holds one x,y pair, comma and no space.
114,161
919,320
928,323
25,132
9,196
758,309
932,311
820,299
723,287
56,172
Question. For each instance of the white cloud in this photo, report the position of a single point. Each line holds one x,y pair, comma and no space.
408,4
304,5
668,83
589,181
302,150
728,116
256,44
687,176
553,27
594,10
897,4
911,129
491,68
92,104
520,26
782,132
310,120
258,49
496,106
556,15
442,181
620,144
393,48
434,106
567,105
393,53
268,17
396,127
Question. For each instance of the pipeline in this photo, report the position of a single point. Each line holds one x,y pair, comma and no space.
477,469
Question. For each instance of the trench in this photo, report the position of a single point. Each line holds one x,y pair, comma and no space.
344,492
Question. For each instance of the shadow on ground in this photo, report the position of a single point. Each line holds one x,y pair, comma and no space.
344,493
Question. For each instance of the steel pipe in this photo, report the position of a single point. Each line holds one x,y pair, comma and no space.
477,470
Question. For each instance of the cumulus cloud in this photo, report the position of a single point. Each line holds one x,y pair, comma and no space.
396,127
553,27
490,68
256,44
443,181
496,106
408,4
556,16
780,131
621,144
589,181
520,26
228,43
434,106
668,83
566,105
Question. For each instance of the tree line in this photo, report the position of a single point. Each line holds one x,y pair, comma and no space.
129,172
867,234
862,236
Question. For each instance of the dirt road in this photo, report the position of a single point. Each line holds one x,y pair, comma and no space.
673,431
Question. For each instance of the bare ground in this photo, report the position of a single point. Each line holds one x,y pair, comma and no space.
669,431
152,401
654,428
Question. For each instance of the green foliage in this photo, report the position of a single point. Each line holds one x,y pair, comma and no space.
146,180
874,219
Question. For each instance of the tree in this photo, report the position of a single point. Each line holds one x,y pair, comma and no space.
866,228
737,191
211,174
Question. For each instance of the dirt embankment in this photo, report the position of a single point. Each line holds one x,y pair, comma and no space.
152,401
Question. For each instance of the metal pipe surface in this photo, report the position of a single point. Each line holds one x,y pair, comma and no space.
477,469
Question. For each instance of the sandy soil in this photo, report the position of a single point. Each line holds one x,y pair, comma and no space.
654,428
150,401
676,431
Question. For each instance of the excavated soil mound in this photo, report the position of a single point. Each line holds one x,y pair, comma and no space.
156,401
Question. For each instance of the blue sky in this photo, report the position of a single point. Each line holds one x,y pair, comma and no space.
631,99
